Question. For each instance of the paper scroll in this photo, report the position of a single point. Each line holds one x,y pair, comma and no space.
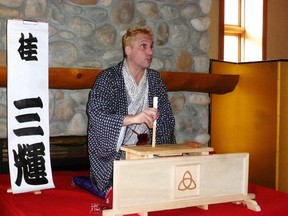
28,106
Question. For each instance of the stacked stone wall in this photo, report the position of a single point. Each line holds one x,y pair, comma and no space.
87,34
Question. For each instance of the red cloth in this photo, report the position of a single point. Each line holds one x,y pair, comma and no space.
66,199
272,203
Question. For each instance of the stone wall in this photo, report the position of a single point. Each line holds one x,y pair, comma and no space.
87,34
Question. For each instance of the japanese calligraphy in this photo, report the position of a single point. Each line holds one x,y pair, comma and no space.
28,48
28,103
29,160
25,104
30,163
95,209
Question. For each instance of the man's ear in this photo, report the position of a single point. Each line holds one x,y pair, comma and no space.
127,50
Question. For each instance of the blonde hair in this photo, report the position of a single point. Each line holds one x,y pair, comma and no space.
131,34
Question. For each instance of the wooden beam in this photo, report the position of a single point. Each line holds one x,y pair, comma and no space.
3,77
200,82
80,78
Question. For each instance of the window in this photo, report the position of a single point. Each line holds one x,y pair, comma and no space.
243,30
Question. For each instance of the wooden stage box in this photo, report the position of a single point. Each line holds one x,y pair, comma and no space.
146,183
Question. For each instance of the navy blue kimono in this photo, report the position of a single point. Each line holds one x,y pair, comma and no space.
107,106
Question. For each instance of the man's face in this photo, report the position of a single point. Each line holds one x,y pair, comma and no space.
140,51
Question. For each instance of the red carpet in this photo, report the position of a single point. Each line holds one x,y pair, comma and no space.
68,200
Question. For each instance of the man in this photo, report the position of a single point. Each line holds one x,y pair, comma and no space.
120,107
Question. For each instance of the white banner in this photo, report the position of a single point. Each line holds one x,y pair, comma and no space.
28,106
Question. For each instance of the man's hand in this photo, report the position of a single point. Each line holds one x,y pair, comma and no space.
148,116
